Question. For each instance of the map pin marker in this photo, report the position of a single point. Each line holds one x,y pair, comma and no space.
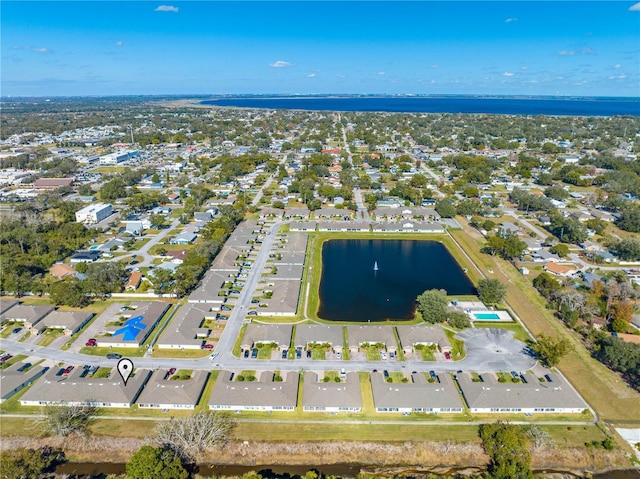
125,368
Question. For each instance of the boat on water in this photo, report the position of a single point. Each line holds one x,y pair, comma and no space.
375,266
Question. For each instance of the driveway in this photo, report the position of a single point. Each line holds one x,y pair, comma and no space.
494,349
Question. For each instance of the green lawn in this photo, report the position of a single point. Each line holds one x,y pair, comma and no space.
103,351
519,332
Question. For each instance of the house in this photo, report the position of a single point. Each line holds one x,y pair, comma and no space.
331,396
74,389
183,238
70,322
416,395
85,257
507,228
62,271
411,336
185,330
27,314
265,394
279,334
532,396
7,304
14,380
319,334
134,281
559,269
364,335
296,213
166,391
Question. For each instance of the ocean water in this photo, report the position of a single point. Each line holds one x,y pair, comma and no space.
554,106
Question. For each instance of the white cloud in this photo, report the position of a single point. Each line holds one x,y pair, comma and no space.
617,65
42,50
381,73
588,51
566,53
435,66
280,64
311,75
618,77
119,43
507,74
509,20
635,8
166,8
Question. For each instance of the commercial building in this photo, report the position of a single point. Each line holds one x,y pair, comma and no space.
94,213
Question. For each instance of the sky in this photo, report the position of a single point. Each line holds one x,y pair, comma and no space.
574,48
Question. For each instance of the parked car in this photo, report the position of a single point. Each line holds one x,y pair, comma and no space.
308,354
114,356
447,355
383,355
16,330
207,346
68,370
172,371
432,374
298,353
252,313
246,353
392,355
284,353
338,355
60,372
254,353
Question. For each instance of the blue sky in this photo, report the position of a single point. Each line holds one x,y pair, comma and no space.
479,47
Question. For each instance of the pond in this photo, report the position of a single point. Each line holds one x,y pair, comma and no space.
376,280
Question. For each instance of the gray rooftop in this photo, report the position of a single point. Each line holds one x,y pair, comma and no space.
160,391
210,286
151,312
26,313
185,327
267,333
284,301
318,394
422,334
492,394
418,394
68,320
6,304
13,380
264,393
319,333
357,335
73,389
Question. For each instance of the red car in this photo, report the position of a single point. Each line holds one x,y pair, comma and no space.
92,342
172,371
447,355
68,370
207,346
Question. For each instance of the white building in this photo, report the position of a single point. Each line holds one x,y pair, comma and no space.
94,213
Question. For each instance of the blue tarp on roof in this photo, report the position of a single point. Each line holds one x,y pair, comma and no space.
131,328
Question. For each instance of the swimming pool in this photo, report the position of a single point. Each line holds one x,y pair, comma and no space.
490,316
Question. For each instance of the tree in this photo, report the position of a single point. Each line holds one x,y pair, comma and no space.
156,220
550,350
156,463
195,433
458,320
68,293
105,278
432,305
445,209
630,219
560,249
508,447
628,249
29,463
491,291
62,420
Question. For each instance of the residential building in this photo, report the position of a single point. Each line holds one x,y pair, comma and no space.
172,391
265,394
331,396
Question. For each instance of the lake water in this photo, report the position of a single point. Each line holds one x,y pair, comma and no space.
560,106
351,290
